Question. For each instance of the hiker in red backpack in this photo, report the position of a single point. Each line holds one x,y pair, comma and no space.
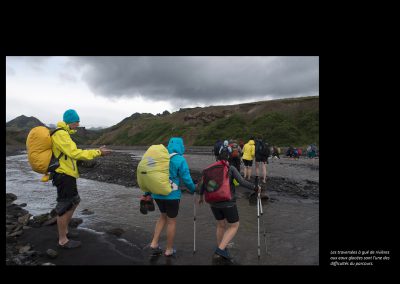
218,189
234,158
300,152
241,144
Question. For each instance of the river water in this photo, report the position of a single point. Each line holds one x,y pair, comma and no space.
291,225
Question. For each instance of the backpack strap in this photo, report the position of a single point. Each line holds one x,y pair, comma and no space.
225,163
55,130
174,186
51,134
172,154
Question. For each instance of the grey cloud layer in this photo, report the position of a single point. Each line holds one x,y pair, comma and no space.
9,71
200,79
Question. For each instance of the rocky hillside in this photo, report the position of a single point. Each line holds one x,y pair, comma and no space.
23,123
281,122
17,129
85,136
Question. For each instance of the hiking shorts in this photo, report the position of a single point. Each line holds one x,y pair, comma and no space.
261,159
67,193
169,206
248,163
229,213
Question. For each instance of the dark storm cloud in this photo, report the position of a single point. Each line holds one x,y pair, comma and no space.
200,79
35,62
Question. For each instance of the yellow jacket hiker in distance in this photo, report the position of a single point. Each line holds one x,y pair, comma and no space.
249,150
62,143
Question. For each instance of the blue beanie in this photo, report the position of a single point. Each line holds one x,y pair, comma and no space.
70,116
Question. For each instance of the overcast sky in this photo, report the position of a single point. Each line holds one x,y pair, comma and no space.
105,90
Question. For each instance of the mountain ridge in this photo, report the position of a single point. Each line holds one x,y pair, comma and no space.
281,122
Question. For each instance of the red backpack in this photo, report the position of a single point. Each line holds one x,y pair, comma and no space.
216,182
235,150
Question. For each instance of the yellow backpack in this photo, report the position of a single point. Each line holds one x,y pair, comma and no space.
40,154
153,170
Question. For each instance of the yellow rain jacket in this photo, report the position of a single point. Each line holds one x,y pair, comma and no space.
249,150
62,143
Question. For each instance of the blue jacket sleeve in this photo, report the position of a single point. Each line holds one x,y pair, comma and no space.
185,176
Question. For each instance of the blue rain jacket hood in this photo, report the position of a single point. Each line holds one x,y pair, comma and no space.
175,145
178,169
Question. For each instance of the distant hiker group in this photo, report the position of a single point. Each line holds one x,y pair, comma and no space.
296,153
240,153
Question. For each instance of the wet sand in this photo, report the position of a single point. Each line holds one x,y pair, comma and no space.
291,237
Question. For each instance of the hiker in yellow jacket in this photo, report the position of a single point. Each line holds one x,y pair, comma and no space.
249,151
66,174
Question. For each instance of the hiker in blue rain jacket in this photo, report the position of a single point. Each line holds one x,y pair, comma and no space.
169,204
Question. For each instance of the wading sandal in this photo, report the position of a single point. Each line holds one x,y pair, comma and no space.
172,254
156,251
70,244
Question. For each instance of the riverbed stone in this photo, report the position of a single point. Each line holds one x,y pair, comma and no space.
75,222
51,253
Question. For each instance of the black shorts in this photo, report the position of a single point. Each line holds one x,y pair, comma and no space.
67,193
261,159
229,213
169,206
248,163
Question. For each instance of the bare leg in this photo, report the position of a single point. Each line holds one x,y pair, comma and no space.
257,166
69,215
249,173
158,229
171,229
221,225
230,232
62,225
264,168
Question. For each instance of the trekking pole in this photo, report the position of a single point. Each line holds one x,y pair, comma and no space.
258,226
265,234
258,219
194,222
